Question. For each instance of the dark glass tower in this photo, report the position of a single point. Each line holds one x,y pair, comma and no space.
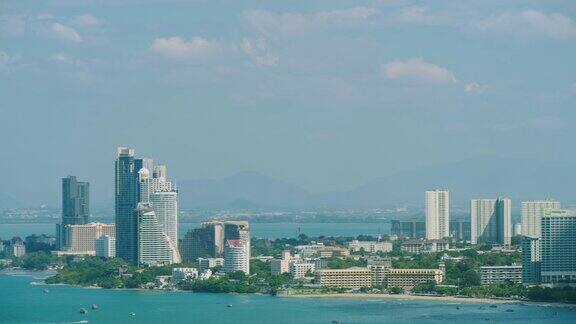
127,196
75,201
75,206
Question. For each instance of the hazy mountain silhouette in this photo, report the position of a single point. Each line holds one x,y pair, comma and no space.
472,178
7,201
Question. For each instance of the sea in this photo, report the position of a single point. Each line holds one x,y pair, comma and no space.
262,230
21,301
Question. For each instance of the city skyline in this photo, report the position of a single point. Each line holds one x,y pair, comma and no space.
96,76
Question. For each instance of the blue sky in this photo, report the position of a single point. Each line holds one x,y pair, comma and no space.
323,94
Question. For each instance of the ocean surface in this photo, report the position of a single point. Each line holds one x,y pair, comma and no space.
21,302
267,230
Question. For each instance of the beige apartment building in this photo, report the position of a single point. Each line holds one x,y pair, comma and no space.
345,278
81,238
408,278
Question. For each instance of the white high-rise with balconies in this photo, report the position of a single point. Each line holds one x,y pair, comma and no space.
437,214
491,221
531,216
158,192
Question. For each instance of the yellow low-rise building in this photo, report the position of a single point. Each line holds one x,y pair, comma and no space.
408,278
344,278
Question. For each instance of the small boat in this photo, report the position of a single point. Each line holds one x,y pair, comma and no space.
94,306
132,314
46,291
493,306
457,307
509,310
229,305
83,311
335,322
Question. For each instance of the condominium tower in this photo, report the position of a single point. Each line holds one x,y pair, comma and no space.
209,240
491,221
437,214
558,247
532,215
75,206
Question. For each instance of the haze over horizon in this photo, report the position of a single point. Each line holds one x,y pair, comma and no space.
325,95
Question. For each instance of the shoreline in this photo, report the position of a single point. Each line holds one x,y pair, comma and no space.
451,299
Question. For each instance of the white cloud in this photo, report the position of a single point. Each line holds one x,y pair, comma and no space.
65,33
419,16
417,70
176,47
529,23
272,23
87,20
258,51
474,87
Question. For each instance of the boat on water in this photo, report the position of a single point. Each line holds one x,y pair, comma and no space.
132,314
510,310
46,291
94,306
229,305
493,306
83,311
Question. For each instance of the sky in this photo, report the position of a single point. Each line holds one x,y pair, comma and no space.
326,94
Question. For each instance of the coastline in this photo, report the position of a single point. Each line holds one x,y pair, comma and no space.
450,299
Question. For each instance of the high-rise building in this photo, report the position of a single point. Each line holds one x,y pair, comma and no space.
460,229
236,256
75,206
531,215
154,246
437,214
157,191
558,247
491,221
530,260
105,246
127,196
209,240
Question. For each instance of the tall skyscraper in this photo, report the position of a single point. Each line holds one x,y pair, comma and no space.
491,221
437,214
154,246
531,216
75,206
558,247
127,196
530,260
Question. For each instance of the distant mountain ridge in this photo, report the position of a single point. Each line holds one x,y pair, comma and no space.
473,178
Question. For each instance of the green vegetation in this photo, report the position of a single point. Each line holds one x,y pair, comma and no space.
343,263
37,261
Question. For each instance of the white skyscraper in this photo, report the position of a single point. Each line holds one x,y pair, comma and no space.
157,191
154,247
531,216
491,221
437,214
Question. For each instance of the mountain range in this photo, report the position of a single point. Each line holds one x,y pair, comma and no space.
482,177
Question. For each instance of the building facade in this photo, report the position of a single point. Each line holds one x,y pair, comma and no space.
282,265
207,263
460,229
500,274
437,214
424,246
82,238
530,260
408,278
75,206
236,256
558,247
344,278
105,246
491,221
531,215
370,247
210,238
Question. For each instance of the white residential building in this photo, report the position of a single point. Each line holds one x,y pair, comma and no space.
500,274
154,247
105,246
437,214
207,263
531,215
179,274
298,269
491,221
236,256
282,265
369,246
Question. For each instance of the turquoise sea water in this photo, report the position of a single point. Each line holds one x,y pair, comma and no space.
21,302
269,230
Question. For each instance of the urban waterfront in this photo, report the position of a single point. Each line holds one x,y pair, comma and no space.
26,303
265,230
